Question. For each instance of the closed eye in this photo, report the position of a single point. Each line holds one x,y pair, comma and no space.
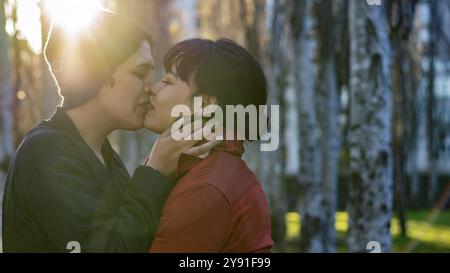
139,75
169,79
141,71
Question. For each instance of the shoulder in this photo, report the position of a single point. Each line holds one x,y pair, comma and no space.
43,151
226,173
42,144
43,141
232,176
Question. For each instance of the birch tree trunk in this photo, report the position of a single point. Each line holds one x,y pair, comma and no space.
271,171
370,196
302,23
328,114
431,103
414,119
6,101
401,17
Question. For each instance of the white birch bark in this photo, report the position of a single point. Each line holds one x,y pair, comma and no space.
370,196
304,44
328,114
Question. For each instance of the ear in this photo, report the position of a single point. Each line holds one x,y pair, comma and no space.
208,100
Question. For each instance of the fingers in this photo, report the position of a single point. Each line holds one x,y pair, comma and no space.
167,132
196,136
186,128
202,149
191,139
183,124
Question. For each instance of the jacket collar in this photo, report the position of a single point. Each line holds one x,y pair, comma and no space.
187,162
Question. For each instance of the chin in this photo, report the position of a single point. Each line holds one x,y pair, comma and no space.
149,124
134,125
154,129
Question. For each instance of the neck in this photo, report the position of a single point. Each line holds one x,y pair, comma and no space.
92,126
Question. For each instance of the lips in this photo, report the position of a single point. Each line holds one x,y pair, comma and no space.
150,106
143,106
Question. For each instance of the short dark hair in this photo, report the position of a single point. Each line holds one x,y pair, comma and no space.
222,69
99,50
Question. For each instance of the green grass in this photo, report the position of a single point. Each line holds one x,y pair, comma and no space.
422,236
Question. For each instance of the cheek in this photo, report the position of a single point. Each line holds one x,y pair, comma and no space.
122,99
166,99
127,93
132,87
172,96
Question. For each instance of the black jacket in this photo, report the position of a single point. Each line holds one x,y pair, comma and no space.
57,191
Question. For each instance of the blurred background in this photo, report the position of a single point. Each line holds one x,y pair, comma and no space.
364,95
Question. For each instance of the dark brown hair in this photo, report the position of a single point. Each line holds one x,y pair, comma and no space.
222,69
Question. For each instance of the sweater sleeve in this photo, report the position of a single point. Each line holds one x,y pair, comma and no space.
67,204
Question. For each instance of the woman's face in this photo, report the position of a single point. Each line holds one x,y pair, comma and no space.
124,98
166,94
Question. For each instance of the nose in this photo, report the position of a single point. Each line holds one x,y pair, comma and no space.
147,89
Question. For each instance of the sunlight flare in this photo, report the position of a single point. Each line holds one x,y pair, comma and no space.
73,15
